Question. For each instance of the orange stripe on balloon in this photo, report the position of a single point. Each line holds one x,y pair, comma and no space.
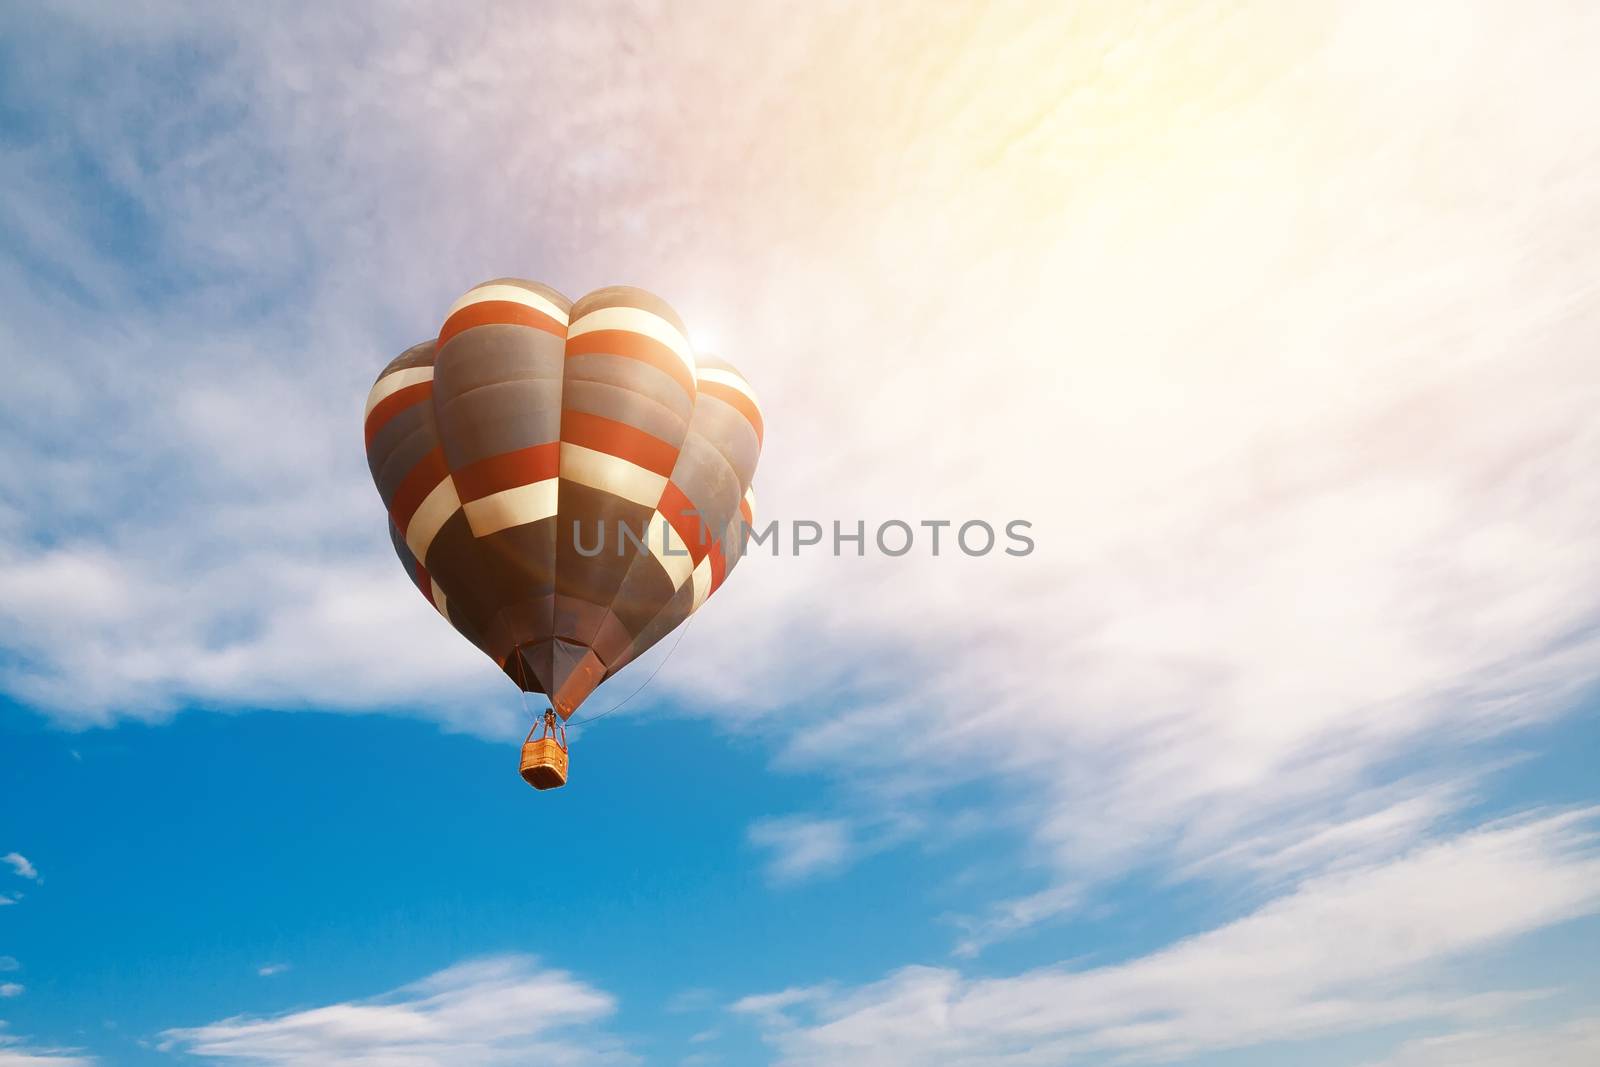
680,511
415,487
508,470
632,345
733,397
618,439
393,404
499,313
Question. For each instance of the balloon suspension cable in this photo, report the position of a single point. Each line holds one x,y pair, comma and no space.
618,706
522,682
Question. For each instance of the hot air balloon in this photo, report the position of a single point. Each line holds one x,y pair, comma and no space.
566,483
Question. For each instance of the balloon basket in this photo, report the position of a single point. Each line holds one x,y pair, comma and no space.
544,758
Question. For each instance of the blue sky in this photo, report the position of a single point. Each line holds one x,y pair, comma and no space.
1277,323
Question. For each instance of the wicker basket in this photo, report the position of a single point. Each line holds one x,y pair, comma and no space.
544,758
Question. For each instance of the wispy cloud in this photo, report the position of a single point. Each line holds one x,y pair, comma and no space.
18,1052
1347,951
269,969
1010,917
1268,850
803,847
10,963
19,863
503,1010
773,1005
1571,1044
11,989
1370,825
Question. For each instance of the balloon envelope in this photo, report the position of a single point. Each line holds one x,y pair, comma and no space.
566,482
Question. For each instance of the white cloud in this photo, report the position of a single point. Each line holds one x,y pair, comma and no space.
1349,951
1271,848
1571,1044
269,969
803,847
503,1010
11,989
1010,917
5,900
1371,825
16,1052
9,963
772,1005
19,863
